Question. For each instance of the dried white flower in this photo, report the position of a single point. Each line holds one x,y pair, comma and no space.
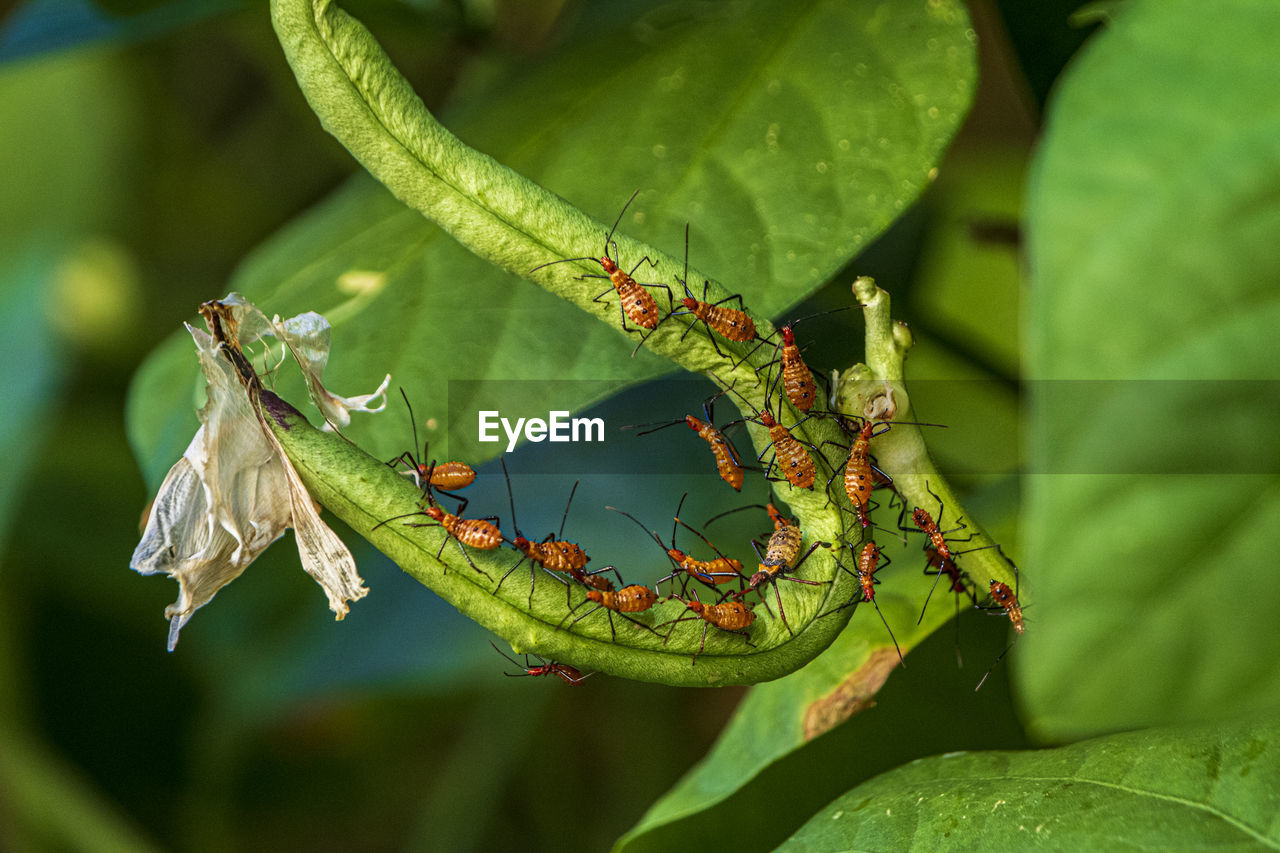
307,337
234,492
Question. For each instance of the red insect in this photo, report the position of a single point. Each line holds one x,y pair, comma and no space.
634,302
1005,601
566,673
861,476
868,564
790,454
552,553
728,464
444,477
722,569
936,535
629,599
711,572
730,323
781,556
860,472
731,616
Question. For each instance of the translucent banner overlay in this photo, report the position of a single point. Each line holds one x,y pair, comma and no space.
1087,427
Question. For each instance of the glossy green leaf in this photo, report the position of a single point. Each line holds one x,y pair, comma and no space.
766,803
772,212
1164,789
782,716
789,135
1152,219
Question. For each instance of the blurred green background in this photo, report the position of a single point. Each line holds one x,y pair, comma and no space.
147,148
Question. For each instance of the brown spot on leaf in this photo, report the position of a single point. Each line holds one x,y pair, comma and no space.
852,695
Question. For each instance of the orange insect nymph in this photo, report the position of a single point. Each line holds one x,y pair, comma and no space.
711,572
731,616
797,379
727,463
634,302
730,323
1006,601
936,535
791,456
553,553
444,477
726,456
448,476
868,562
629,599
475,532
868,565
480,533
782,555
733,324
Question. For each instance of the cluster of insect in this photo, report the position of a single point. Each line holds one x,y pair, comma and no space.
787,458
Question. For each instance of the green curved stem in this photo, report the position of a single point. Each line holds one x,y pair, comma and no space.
876,391
363,491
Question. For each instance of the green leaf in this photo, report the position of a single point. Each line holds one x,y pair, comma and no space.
831,127
1163,789
766,798
782,716
790,135
967,259
1153,210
